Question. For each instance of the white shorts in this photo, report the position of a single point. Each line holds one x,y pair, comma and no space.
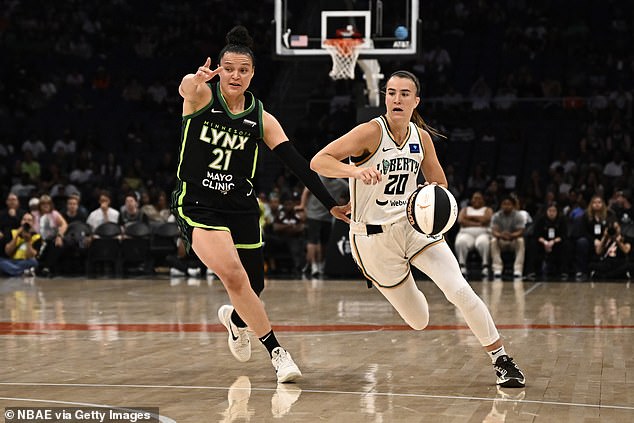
384,258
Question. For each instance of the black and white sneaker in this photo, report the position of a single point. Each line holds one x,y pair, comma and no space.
508,374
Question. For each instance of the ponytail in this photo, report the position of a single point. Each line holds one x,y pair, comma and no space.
418,121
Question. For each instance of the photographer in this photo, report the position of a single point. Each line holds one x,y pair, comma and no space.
613,251
21,250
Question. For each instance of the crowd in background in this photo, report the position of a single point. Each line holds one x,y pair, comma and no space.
535,99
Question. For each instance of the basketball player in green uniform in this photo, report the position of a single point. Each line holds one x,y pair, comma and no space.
215,203
386,155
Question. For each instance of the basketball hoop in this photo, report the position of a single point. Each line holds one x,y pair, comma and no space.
344,53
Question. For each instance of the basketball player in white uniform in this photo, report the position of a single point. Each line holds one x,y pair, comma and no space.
385,156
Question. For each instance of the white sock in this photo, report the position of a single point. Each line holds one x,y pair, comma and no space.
498,352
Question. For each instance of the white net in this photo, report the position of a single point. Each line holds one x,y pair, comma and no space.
344,53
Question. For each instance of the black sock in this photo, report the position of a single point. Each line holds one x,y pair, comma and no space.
270,342
237,320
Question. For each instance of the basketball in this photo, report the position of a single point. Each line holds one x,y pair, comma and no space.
401,32
432,210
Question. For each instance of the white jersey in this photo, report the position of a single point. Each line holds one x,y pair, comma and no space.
399,165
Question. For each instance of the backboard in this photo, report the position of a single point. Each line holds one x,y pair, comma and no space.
387,27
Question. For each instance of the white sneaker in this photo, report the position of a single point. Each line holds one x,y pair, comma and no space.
284,397
239,342
285,367
194,272
175,272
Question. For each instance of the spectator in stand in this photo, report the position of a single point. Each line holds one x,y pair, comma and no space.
31,167
104,213
507,233
575,205
51,228
568,166
534,189
481,95
614,168
11,217
154,206
74,212
319,223
34,209
591,149
612,252
474,233
110,172
35,145
622,207
21,250
83,173
289,230
66,143
591,184
62,190
130,211
24,187
50,177
618,139
493,192
549,247
589,228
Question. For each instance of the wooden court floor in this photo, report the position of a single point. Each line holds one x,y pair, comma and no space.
158,343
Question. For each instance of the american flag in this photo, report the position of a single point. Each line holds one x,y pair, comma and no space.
299,41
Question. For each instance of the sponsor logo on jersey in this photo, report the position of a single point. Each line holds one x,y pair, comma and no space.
249,122
388,149
414,148
219,182
216,111
398,203
380,203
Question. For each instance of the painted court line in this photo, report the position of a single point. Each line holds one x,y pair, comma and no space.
35,328
318,391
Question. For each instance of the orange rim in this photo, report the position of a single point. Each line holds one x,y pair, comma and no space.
345,46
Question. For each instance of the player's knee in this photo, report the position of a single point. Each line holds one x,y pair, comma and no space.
419,323
234,278
464,298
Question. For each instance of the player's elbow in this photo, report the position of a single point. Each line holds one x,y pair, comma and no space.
314,163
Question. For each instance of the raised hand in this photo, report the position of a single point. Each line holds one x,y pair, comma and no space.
204,73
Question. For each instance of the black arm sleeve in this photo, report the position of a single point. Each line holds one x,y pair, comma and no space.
287,152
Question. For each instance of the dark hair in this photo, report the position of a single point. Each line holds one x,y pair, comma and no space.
238,41
416,117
